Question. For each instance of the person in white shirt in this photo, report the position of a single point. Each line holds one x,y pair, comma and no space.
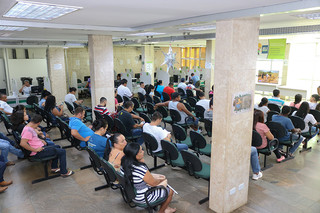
183,85
263,106
71,98
4,106
303,112
123,90
26,88
158,133
141,89
314,99
205,103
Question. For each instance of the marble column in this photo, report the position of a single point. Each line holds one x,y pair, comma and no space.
234,81
148,60
57,73
210,47
101,69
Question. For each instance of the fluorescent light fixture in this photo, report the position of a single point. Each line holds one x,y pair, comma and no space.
36,10
5,34
10,28
146,34
200,28
312,16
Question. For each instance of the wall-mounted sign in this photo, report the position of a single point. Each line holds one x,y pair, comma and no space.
241,102
277,48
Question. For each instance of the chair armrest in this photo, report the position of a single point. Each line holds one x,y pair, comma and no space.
152,189
274,143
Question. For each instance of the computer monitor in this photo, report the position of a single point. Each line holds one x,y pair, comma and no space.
85,78
35,89
155,75
137,75
175,78
171,79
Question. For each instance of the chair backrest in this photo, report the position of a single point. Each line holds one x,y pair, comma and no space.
70,107
119,98
50,118
75,105
156,99
256,138
40,111
125,98
141,97
149,99
135,103
110,121
98,115
170,150
94,159
5,119
297,122
192,101
199,110
157,93
126,187
270,114
17,138
181,92
165,96
274,107
175,115
108,170
316,114
197,140
208,127
187,105
150,108
66,131
150,142
120,126
32,99
145,117
197,85
163,111
273,144
293,109
276,129
178,132
192,161
189,93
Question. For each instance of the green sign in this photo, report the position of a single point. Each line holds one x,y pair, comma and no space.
277,48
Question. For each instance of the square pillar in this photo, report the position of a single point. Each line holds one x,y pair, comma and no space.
234,80
57,72
210,47
101,69
148,60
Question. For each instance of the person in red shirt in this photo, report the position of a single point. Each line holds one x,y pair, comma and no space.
169,89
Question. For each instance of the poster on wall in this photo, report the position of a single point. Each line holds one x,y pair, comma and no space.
277,48
268,76
241,102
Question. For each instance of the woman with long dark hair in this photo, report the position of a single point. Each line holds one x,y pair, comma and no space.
51,106
263,106
264,131
303,112
159,88
115,152
297,100
137,173
150,90
97,141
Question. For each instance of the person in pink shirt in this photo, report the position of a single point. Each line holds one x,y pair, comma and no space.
264,131
297,101
39,148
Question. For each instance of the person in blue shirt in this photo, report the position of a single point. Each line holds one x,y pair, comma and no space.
78,129
97,141
159,88
44,96
194,78
290,130
276,98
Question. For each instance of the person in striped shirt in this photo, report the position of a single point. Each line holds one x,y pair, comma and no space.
102,107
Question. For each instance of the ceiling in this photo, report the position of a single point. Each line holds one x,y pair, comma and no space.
122,18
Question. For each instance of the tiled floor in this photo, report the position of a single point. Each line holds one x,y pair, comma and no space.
292,186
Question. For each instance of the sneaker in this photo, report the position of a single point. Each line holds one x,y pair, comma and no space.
257,176
279,160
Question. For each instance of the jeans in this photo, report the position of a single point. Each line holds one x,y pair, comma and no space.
2,136
137,132
190,121
254,160
181,146
2,168
54,150
295,145
6,147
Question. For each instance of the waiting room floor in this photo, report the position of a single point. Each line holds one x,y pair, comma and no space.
292,186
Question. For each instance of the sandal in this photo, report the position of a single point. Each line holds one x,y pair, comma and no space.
55,170
69,173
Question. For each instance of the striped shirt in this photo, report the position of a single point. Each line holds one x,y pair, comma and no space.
102,110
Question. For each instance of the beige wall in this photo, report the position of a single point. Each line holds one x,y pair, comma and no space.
78,61
34,53
127,58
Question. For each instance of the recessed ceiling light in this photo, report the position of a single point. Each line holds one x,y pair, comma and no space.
9,28
200,28
36,10
146,34
312,16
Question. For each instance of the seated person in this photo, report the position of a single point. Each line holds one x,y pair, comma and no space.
136,171
102,107
44,96
39,149
159,88
208,114
182,85
255,165
297,101
116,103
97,141
71,98
203,101
141,89
26,88
160,134
211,92
127,119
290,130
6,147
150,90
51,106
78,129
4,106
169,89
314,99
114,153
264,131
3,184
276,98
263,106
123,90
186,116
303,112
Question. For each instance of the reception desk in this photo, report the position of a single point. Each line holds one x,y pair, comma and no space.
21,99
284,90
